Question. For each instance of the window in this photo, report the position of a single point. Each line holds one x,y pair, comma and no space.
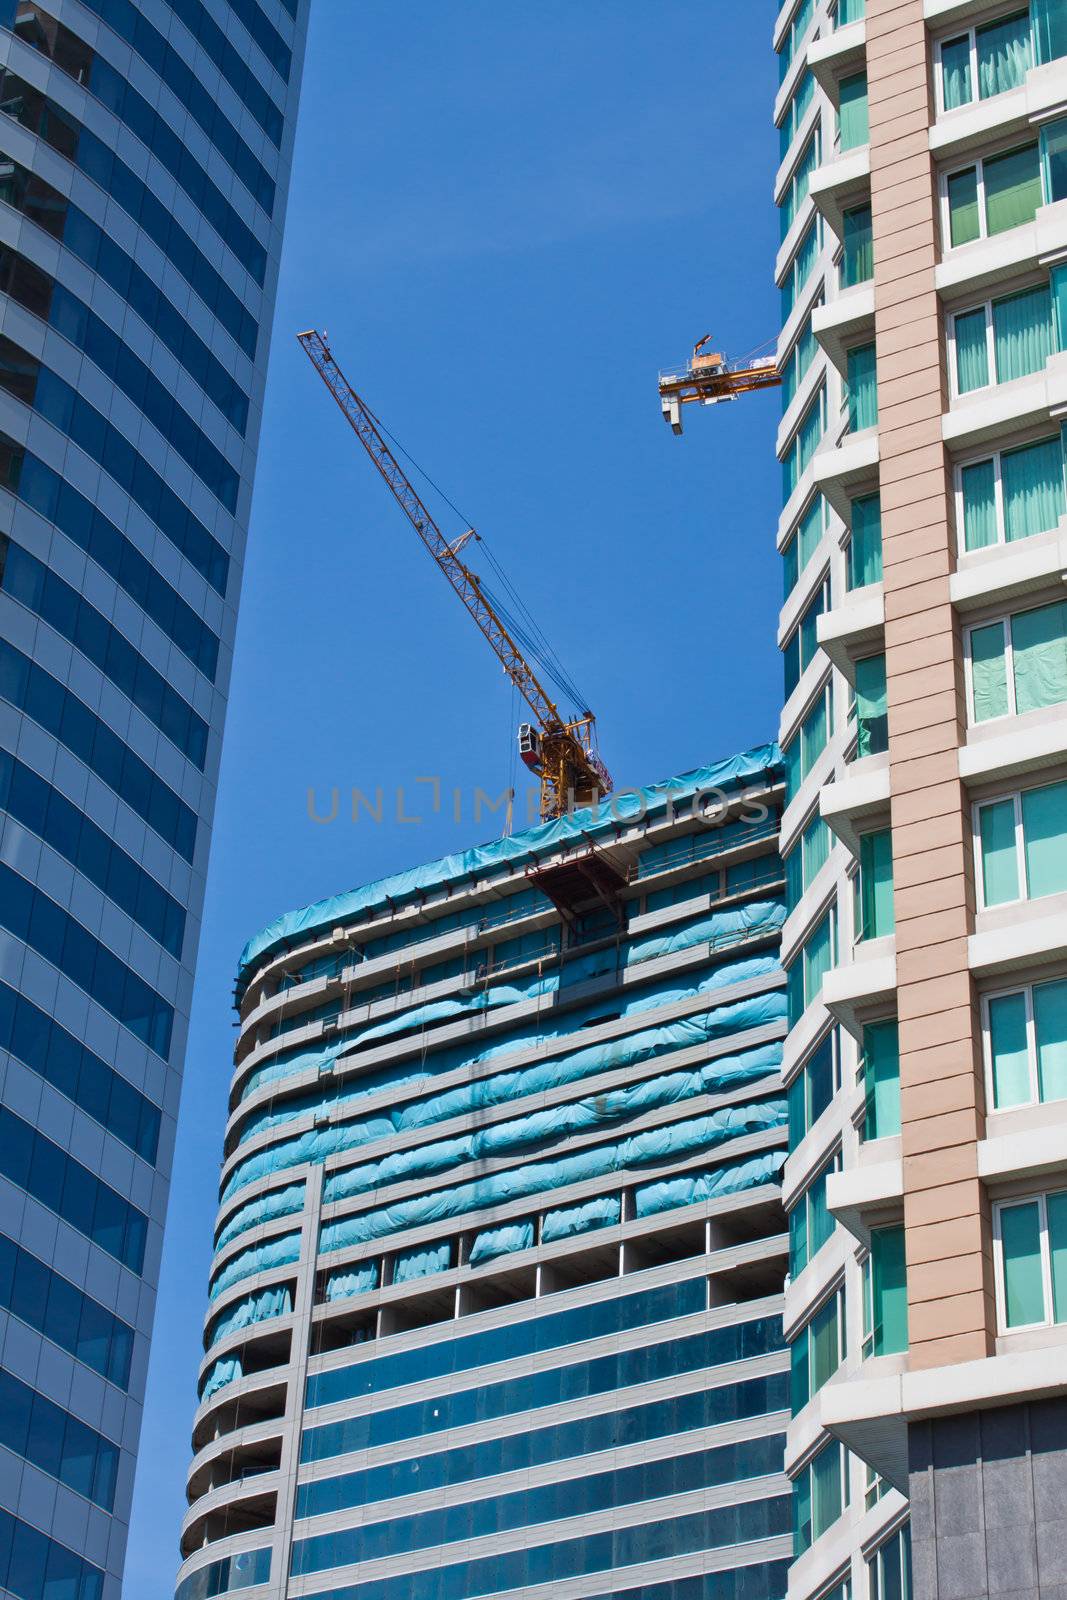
1021,844
805,442
797,363
872,709
810,966
47,1302
865,545
849,11
994,194
800,648
796,190
820,1495
801,267
885,1294
803,861
1010,495
60,1445
244,1571
32,1565
889,1568
1049,19
1018,664
793,37
853,122
857,252
1009,338
803,543
813,1088
810,1223
862,388
35,1164
809,741
817,1351
795,112
1031,1255
1025,1037
985,61
880,1069
874,886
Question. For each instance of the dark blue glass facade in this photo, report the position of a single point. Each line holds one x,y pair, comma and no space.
149,141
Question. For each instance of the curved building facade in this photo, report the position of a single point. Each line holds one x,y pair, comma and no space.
144,161
497,1289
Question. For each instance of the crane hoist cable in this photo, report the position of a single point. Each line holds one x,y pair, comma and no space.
561,750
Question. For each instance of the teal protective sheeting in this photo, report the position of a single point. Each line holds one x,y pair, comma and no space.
492,1243
538,1177
422,1263
317,1145
601,1213
267,1208
225,1371
387,893
259,1307
280,1252
359,1280
668,1194
536,1128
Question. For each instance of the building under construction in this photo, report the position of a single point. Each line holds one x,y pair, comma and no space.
496,1298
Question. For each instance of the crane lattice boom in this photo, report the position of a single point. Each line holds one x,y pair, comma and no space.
562,752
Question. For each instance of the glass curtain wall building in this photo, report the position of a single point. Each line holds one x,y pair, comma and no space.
144,160
924,274
496,1295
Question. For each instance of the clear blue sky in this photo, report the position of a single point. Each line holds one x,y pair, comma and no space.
509,217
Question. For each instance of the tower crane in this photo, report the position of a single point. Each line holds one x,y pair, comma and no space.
709,378
561,751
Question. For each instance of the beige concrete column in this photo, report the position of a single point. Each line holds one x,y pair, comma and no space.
950,1294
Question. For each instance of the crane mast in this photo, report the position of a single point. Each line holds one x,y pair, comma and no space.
561,752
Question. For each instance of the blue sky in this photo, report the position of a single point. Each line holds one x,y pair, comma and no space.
509,217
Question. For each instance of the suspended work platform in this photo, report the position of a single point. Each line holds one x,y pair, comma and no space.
710,378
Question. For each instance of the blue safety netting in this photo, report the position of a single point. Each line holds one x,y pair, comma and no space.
225,1371
261,1307
536,1127
492,1243
357,1280
653,1145
316,1145
281,1252
600,1213
764,762
420,1263
667,1194
265,1208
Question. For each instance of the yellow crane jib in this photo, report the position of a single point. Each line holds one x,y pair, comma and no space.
561,751
710,378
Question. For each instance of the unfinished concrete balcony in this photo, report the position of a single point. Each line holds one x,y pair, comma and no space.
836,55
847,468
841,183
844,321
852,627
858,796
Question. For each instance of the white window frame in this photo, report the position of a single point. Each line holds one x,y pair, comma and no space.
793,536
986,306
821,588
876,1560
996,456
1009,670
820,399
971,35
805,326
1015,796
798,288
789,188
1027,991
978,162
837,1294
999,1206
